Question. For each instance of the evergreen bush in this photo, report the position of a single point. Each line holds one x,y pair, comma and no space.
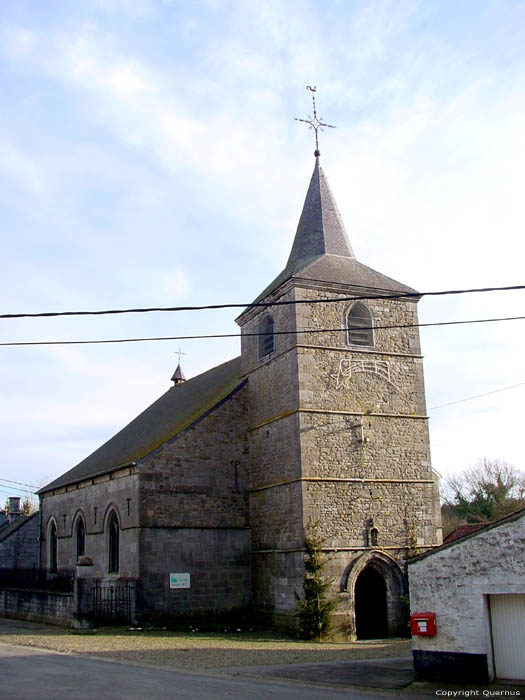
315,610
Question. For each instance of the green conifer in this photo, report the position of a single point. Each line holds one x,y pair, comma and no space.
315,611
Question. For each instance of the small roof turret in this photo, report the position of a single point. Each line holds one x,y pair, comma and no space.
178,376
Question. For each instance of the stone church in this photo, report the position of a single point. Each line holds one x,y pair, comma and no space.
204,499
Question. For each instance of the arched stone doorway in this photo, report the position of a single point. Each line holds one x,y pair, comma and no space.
371,616
376,586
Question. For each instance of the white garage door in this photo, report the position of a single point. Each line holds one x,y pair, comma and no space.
507,614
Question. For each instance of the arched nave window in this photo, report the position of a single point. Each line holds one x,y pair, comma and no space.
113,543
80,537
52,540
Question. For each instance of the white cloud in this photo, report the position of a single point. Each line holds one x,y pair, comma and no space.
163,163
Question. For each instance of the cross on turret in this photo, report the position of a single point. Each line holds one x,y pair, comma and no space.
178,376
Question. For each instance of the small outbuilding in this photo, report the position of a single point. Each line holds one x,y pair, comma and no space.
473,589
19,541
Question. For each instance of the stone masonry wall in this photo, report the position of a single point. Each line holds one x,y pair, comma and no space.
37,606
118,491
200,478
275,507
363,417
194,516
401,512
218,561
338,434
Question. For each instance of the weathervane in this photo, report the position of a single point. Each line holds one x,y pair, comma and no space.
315,123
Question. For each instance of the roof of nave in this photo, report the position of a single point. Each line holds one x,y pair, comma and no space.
168,416
321,249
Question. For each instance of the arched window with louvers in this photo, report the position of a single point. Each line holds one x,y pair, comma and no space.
266,338
360,325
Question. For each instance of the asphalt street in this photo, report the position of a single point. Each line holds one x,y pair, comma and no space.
36,674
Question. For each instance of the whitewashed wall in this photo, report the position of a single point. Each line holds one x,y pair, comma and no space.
455,581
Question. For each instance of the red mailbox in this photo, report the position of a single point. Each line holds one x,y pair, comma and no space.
423,624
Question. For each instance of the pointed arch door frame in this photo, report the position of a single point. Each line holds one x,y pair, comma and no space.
395,582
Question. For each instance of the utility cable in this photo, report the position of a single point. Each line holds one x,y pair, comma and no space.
245,335
23,491
20,483
478,396
397,295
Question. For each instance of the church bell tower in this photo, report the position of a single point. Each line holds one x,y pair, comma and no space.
338,430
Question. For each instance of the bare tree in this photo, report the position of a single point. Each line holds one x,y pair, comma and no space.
487,491
29,506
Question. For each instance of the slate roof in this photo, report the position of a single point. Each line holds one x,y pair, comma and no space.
15,525
321,249
168,416
178,375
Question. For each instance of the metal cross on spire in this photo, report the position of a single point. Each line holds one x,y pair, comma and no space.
179,353
315,123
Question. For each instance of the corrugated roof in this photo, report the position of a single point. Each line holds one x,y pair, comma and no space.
168,416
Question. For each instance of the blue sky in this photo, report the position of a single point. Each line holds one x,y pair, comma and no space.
149,156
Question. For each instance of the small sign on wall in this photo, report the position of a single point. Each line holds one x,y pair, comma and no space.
179,580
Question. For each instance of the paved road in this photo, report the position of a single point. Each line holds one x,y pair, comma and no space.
36,674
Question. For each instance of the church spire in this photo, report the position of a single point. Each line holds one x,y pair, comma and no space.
320,230
321,250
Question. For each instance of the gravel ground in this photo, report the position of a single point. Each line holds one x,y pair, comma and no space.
195,651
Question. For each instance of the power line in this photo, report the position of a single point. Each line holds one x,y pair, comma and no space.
478,396
398,295
20,483
17,490
244,335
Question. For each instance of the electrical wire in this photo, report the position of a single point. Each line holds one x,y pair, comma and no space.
18,491
20,483
398,295
244,335
478,396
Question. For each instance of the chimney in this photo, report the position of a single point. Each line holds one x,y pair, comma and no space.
14,511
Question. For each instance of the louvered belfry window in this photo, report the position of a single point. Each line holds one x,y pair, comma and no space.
266,337
360,322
